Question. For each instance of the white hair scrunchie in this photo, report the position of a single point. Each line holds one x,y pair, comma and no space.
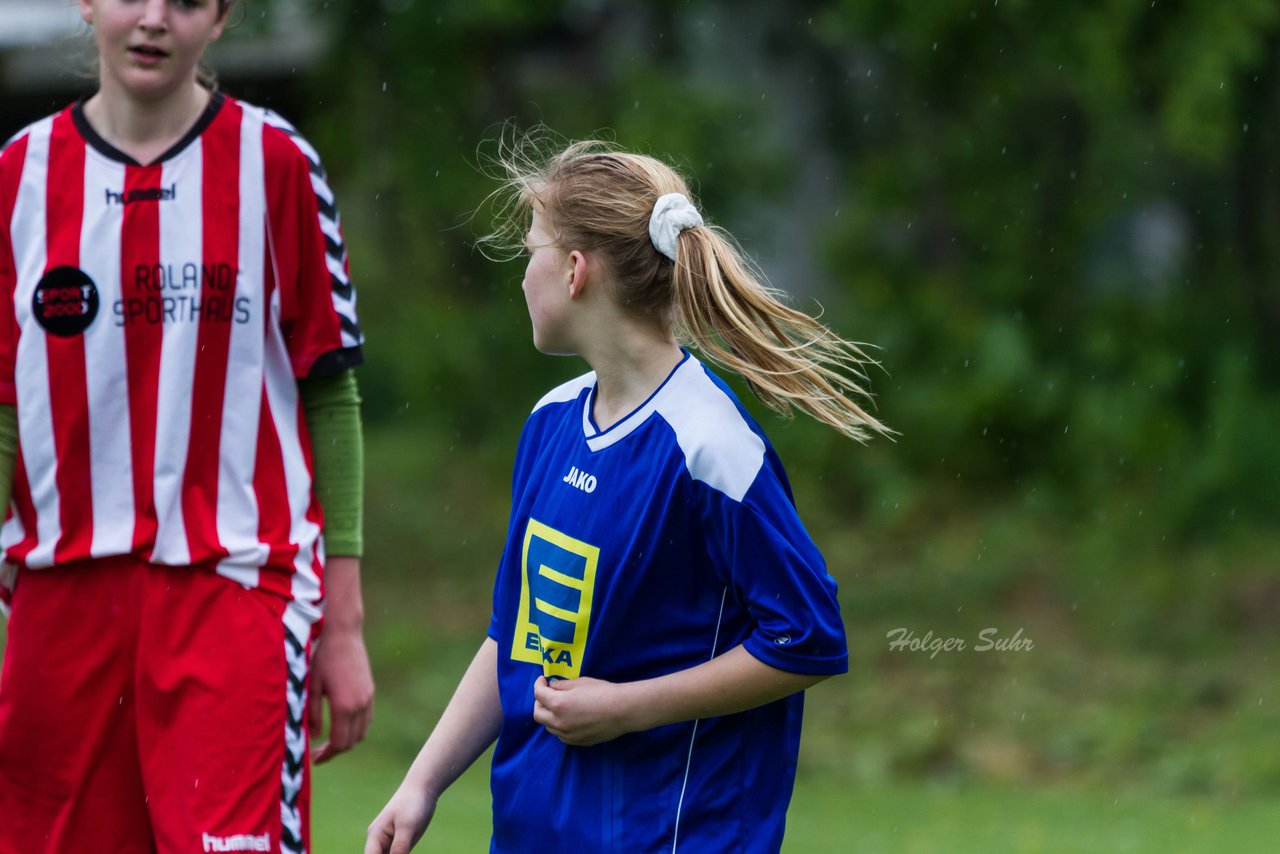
672,214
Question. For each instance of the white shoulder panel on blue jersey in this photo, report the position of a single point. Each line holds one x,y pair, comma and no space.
568,391
720,448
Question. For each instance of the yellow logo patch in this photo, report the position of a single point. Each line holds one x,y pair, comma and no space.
558,576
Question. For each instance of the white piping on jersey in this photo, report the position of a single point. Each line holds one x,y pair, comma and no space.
35,416
242,386
675,835
567,391
111,455
600,439
176,367
253,396
13,532
282,400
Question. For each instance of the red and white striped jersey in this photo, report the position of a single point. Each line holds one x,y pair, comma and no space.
153,322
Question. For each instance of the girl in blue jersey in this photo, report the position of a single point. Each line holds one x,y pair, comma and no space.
659,608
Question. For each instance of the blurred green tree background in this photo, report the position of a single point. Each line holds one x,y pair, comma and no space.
1057,222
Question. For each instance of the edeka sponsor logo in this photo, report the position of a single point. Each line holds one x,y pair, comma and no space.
557,586
238,842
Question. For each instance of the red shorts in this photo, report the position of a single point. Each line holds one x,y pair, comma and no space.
152,709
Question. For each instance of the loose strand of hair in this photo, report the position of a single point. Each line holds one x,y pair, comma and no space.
519,163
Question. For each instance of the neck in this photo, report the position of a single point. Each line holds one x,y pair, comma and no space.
634,363
145,129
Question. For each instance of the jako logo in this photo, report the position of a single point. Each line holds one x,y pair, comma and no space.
239,842
580,479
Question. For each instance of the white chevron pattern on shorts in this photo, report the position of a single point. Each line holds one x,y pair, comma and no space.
295,745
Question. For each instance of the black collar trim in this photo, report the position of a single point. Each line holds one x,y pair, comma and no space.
95,140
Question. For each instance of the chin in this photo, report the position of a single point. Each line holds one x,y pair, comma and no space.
151,86
549,348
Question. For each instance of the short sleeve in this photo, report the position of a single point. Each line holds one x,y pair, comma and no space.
774,570
309,258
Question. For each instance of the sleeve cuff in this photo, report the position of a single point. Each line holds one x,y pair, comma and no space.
772,654
333,362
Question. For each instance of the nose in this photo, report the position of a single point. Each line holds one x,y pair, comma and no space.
155,15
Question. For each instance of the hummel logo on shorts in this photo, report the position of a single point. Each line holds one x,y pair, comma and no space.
239,842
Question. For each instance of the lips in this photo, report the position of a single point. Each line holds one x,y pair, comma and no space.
147,53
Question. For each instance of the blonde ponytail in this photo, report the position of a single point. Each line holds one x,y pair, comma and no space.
599,198
790,360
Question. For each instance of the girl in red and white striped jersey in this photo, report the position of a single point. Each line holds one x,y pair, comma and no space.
179,423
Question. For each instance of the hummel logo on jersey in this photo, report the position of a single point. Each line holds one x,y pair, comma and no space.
580,479
146,194
239,842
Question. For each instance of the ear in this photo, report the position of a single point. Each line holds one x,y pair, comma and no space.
222,22
220,25
86,12
577,273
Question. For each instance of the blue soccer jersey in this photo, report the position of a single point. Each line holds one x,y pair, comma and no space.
635,552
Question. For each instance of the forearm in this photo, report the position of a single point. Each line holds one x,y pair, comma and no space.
332,408
469,724
589,711
729,683
343,601
340,674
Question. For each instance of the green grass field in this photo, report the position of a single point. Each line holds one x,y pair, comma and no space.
854,793
830,816
1143,721
834,809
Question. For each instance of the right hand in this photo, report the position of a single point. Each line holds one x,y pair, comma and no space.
401,823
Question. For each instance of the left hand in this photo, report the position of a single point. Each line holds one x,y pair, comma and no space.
340,675
581,712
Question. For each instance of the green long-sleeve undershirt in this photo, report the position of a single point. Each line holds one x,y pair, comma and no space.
332,411
332,408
